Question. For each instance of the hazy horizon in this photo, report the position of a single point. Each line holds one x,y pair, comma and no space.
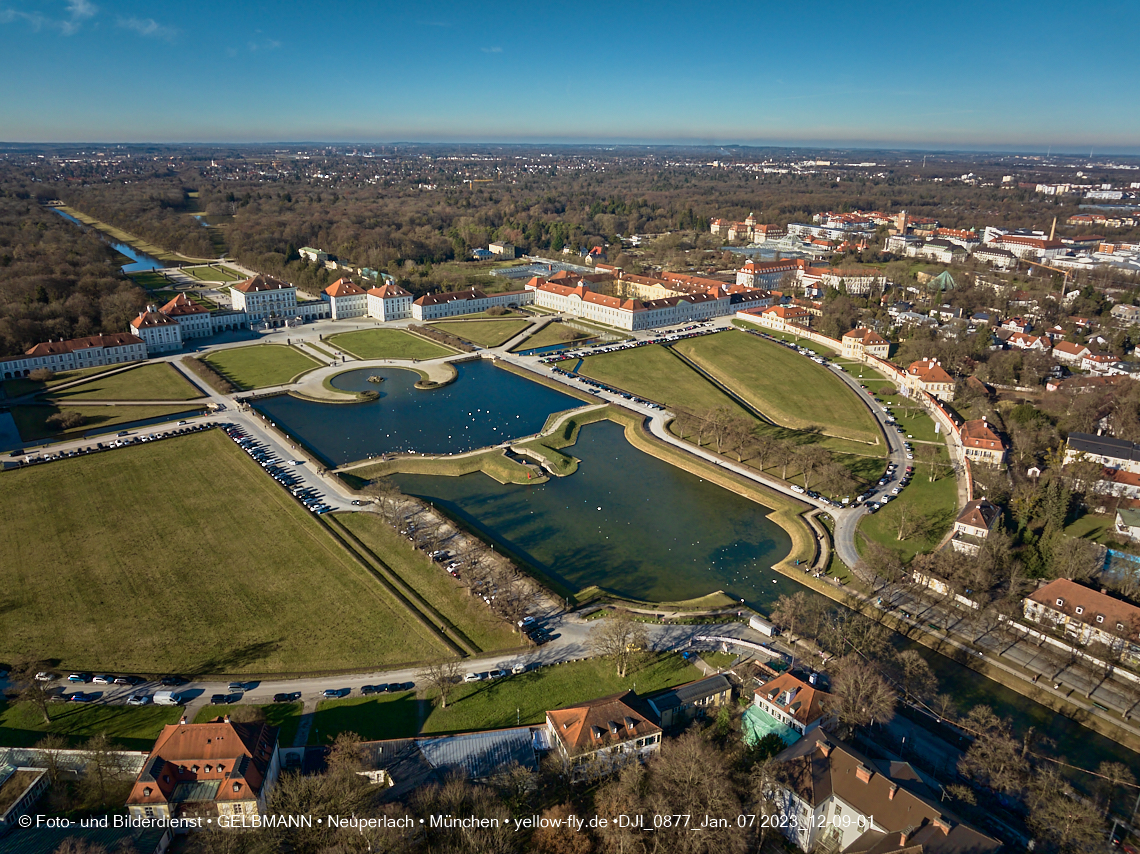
971,78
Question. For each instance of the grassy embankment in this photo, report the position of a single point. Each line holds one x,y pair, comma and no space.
387,344
287,716
122,560
158,381
130,727
31,420
21,387
213,273
260,365
501,703
484,333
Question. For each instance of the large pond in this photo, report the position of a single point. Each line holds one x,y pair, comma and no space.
139,260
625,521
484,406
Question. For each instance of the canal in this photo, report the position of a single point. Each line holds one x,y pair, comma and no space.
139,260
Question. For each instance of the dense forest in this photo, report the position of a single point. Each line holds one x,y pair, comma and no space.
56,280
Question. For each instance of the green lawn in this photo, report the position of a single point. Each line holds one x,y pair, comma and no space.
789,388
552,333
1095,527
31,421
216,273
937,502
287,716
468,613
159,381
130,727
485,333
655,373
152,280
490,705
912,417
798,340
260,365
122,561
387,344
18,388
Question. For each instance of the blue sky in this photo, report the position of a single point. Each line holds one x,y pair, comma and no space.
996,75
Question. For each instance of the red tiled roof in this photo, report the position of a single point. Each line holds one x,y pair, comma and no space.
114,339
451,296
152,318
344,288
388,291
1093,604
979,513
181,306
929,371
600,723
806,704
236,756
260,283
869,337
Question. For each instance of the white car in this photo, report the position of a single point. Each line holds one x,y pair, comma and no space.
798,489
44,676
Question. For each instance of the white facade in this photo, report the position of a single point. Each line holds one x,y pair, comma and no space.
76,354
438,306
389,303
265,300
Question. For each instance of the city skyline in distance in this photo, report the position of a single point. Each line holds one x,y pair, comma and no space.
971,79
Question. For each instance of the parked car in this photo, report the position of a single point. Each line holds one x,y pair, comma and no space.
474,677
174,681
104,679
44,676
496,674
374,689
138,700
80,697
336,693
80,677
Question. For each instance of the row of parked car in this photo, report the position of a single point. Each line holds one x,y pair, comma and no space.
123,439
662,337
275,468
889,492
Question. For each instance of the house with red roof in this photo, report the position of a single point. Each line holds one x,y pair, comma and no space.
974,524
194,320
389,302
1069,351
981,443
929,376
160,331
602,735
1086,616
470,301
346,299
861,340
782,318
218,768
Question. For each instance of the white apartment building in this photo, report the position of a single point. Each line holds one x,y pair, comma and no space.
346,299
76,353
473,301
389,302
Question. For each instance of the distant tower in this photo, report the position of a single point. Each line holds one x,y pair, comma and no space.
900,221
1053,230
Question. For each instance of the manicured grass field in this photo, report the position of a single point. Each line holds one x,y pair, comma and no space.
913,419
149,382
655,373
1095,527
130,727
122,561
152,280
284,715
485,333
31,421
798,340
468,613
500,703
20,387
217,273
552,333
937,501
260,365
789,388
387,344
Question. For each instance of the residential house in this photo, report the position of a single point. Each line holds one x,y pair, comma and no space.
1110,453
76,354
346,299
265,300
783,318
1098,363
942,251
389,302
789,707
928,375
1086,616
317,256
974,524
1126,314
1068,351
601,735
862,340
208,769
1118,484
1017,324
981,443
1128,523
1023,341
502,249
833,798
676,707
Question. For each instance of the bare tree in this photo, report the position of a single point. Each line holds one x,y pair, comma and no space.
1063,821
860,695
443,676
995,759
387,497
620,638
105,771
914,675
31,690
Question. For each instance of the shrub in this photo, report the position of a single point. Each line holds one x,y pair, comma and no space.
497,311
67,420
42,375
